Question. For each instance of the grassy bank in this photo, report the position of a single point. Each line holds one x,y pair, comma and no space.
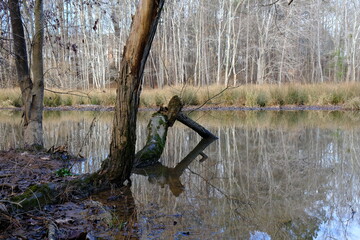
347,95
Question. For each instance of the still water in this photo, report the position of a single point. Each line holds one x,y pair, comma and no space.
271,175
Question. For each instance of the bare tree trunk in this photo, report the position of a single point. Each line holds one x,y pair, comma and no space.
33,132
117,168
32,92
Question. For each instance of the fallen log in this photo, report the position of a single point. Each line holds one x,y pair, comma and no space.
203,132
82,187
157,132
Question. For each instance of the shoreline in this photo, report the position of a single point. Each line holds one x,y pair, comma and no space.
195,108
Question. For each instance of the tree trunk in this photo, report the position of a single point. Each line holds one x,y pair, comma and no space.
33,132
32,92
117,167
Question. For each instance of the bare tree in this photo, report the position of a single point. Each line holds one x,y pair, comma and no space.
200,42
32,90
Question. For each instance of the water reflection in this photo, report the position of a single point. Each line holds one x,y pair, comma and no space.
162,175
271,175
120,202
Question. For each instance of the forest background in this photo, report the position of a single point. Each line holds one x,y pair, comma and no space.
263,53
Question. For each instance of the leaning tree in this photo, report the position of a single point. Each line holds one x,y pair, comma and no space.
117,167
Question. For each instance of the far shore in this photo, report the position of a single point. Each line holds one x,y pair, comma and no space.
193,108
325,96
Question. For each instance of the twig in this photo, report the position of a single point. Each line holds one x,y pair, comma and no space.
37,199
88,134
204,157
52,228
6,185
209,99
270,4
13,203
69,93
207,182
5,175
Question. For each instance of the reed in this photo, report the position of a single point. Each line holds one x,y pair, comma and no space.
344,94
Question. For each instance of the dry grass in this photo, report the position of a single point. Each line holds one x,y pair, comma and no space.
259,95
345,94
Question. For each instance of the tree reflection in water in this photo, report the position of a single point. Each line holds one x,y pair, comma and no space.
279,175
163,175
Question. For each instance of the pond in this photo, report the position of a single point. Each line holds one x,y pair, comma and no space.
271,174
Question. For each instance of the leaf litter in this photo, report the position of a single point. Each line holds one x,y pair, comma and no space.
108,215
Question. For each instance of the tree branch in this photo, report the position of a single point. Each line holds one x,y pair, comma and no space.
69,93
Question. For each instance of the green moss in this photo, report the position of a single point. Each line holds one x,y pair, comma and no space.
36,195
155,143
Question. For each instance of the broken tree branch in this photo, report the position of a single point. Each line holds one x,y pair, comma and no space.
203,132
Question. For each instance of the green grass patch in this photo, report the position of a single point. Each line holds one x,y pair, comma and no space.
94,100
296,96
52,101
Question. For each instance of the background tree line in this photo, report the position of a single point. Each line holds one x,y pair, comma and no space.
199,42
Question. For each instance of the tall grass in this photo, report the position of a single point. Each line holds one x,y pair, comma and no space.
345,94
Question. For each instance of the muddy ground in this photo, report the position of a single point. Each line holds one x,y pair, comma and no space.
109,215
